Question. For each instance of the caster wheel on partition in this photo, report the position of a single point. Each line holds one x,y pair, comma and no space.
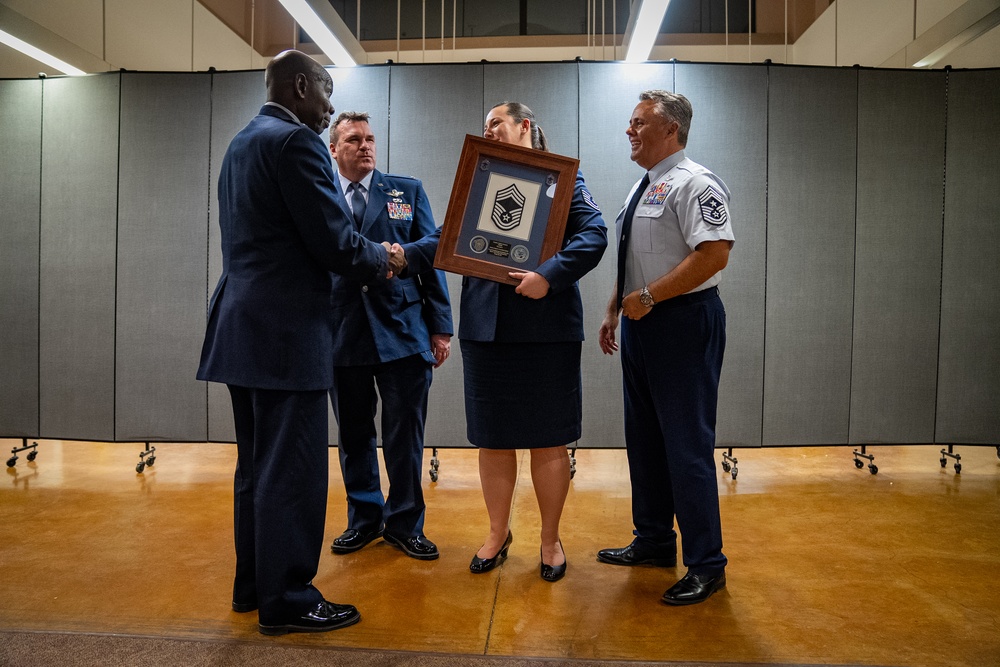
435,464
12,461
944,462
872,468
958,468
729,463
146,458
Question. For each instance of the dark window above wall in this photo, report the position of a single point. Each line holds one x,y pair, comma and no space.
476,18
702,16
510,18
267,27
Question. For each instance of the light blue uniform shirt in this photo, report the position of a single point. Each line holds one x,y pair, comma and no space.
683,205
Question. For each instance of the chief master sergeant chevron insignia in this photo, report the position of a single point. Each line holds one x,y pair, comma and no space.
507,208
713,209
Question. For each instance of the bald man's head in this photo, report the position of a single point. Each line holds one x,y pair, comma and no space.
302,85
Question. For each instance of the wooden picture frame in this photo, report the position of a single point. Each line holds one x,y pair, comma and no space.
507,211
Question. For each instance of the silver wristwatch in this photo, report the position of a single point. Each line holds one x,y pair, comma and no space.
645,298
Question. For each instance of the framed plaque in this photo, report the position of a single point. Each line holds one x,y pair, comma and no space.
507,211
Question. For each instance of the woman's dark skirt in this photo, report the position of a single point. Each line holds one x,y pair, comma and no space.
522,395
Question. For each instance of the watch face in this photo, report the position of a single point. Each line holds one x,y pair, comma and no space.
645,298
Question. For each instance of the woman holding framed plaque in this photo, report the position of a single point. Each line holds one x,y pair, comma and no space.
521,336
521,349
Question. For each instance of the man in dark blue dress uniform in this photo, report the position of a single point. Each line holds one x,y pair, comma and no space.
391,336
285,227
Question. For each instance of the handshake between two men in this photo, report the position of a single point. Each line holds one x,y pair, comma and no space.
397,258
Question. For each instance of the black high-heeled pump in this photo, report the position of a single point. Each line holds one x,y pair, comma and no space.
554,572
481,565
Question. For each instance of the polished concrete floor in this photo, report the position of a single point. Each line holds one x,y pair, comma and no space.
828,564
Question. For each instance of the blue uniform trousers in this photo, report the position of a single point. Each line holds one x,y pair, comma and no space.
280,499
671,362
403,386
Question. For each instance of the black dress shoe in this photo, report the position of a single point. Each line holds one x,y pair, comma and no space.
244,607
694,588
418,546
555,572
633,555
324,617
481,565
351,540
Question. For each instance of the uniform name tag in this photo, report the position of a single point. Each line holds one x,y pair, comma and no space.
400,211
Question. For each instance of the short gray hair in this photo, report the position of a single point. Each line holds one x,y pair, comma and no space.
345,117
672,107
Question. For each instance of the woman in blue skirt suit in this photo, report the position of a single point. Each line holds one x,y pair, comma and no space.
521,351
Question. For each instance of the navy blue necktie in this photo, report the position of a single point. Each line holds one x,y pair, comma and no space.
357,204
626,228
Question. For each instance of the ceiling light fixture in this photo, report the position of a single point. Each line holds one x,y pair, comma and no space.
319,30
645,20
39,55
969,34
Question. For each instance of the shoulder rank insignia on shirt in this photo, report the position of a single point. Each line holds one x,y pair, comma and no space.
713,209
589,200
400,211
657,194
394,193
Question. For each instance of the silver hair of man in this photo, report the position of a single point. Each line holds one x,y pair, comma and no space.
672,107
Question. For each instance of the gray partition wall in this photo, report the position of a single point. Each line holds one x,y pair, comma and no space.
162,259
968,409
362,89
811,167
552,92
236,98
862,292
77,280
608,95
897,276
729,136
20,186
433,108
